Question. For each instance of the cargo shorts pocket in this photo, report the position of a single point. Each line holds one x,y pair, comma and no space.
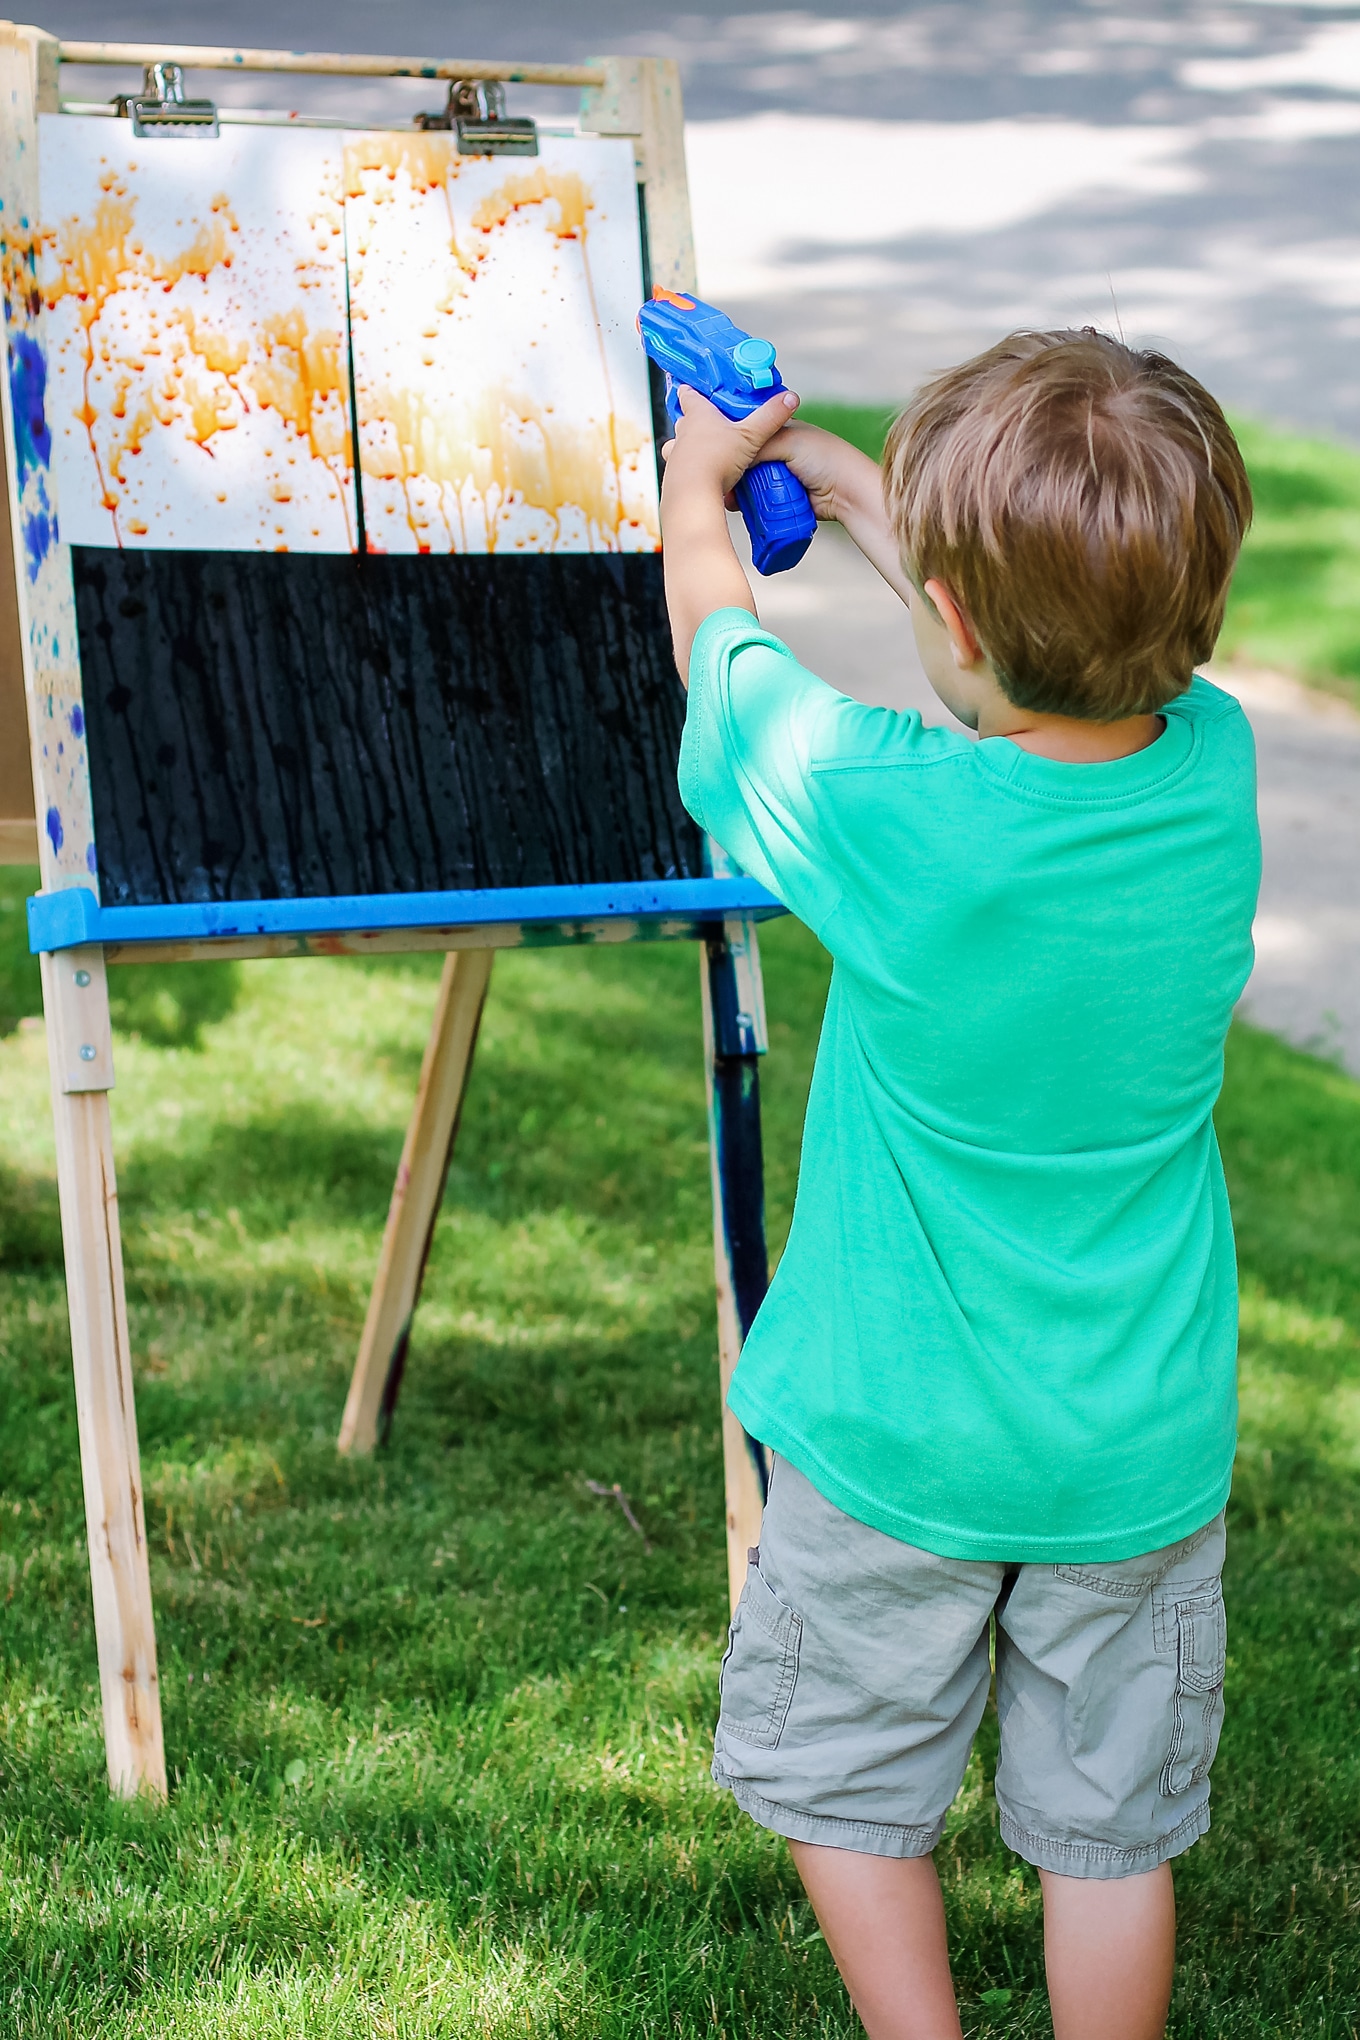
760,1669
1190,1621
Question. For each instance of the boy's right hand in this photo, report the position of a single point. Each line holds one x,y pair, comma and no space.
846,488
837,476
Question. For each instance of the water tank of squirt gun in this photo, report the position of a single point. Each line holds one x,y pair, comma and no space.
700,349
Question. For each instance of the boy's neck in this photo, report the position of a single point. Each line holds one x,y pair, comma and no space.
965,680
1067,738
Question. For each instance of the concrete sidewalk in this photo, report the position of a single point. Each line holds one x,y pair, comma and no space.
1306,985
844,623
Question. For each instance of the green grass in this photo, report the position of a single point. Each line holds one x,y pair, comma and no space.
1296,596
864,425
1295,602
167,1006
438,1724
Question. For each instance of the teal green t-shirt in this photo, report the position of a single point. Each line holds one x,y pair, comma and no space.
1005,1322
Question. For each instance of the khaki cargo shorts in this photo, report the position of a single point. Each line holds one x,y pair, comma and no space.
858,1669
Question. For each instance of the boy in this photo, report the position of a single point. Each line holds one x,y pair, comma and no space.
997,1362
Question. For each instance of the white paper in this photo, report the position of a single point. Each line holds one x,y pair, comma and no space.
501,386
198,376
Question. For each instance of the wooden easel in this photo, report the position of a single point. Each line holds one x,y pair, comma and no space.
629,97
18,826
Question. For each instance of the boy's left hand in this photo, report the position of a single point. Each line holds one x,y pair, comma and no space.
709,448
704,462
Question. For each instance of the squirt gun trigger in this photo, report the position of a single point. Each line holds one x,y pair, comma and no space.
700,349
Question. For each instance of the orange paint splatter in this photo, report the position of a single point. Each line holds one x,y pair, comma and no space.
154,360
299,372
208,409
430,162
208,250
217,351
538,187
94,260
474,463
304,377
101,261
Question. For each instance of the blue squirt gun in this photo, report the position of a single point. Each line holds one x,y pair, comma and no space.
700,349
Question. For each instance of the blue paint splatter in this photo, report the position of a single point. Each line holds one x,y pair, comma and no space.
77,721
56,835
28,388
40,531
40,535
91,861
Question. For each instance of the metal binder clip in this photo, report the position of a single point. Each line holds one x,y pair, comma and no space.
484,128
160,108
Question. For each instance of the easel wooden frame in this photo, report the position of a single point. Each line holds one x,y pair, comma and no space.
629,97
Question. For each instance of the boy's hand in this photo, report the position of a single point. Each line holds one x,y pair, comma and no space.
709,448
704,462
835,474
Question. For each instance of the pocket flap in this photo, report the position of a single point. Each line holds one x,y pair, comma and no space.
764,1606
1202,1640
761,1666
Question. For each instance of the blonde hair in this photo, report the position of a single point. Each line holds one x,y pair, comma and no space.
1084,502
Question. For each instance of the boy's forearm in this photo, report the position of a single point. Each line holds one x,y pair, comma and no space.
860,509
708,456
702,570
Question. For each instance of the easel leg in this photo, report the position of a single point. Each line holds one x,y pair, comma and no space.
75,996
416,1197
734,1040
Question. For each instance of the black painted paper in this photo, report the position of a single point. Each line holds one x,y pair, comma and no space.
270,726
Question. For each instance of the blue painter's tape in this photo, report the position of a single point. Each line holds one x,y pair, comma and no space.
65,919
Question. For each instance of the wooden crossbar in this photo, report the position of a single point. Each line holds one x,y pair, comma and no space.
340,64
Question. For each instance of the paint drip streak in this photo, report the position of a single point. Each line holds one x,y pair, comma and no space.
355,452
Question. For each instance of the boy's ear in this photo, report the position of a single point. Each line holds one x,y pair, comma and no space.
963,639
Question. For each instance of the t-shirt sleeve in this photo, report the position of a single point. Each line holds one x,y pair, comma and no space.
751,731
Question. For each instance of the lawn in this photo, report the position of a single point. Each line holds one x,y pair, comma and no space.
1295,602
438,1724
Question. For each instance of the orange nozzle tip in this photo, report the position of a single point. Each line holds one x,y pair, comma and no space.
672,297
